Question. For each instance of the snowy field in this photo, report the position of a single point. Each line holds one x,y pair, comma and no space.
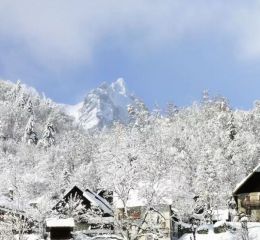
254,233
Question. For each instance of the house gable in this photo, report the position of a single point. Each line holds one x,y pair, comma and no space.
96,213
250,184
75,192
87,198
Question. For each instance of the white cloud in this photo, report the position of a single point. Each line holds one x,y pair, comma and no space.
61,32
244,27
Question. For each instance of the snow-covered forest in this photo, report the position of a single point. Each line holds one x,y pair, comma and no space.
176,153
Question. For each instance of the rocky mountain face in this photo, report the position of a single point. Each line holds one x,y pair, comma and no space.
102,106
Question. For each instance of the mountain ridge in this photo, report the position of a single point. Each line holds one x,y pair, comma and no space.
102,106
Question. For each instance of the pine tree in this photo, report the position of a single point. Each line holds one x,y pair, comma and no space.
15,91
48,136
30,135
29,106
139,114
205,96
22,100
171,110
66,178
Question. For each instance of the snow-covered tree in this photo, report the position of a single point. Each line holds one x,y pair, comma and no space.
29,106
48,138
30,136
202,150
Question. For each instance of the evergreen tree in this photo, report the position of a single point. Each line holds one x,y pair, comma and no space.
66,175
48,138
171,110
30,135
16,91
29,106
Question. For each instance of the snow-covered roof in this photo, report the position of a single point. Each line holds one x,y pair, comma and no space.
94,198
137,199
37,200
7,203
98,220
134,200
98,201
55,222
239,185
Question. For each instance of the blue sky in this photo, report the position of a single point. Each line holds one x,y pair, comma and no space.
166,50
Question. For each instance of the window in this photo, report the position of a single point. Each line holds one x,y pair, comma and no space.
133,213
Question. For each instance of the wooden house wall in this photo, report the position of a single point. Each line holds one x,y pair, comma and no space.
249,204
247,197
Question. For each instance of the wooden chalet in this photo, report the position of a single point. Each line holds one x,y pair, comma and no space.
247,195
97,214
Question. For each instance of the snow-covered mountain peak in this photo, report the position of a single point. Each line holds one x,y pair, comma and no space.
103,105
119,86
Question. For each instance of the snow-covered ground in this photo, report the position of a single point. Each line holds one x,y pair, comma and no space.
254,233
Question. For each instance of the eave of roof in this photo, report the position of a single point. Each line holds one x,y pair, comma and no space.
239,185
54,222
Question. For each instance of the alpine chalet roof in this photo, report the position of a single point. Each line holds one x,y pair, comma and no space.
249,184
54,222
92,197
